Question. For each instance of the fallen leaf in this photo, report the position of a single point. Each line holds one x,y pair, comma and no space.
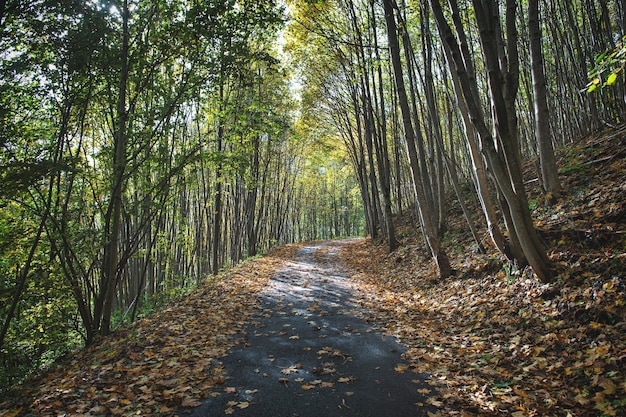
401,368
190,402
291,369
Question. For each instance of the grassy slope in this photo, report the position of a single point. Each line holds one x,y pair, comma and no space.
504,344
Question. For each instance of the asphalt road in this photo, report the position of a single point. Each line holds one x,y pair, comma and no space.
311,351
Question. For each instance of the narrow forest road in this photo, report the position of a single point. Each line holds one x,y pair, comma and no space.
312,352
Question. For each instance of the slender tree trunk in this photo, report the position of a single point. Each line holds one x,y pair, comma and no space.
114,215
435,138
463,75
382,150
429,227
252,200
549,170
218,206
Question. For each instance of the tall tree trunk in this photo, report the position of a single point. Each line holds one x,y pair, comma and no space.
549,171
382,147
218,209
251,199
503,76
435,138
429,227
218,204
114,214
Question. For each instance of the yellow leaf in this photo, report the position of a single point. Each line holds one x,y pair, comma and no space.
434,402
612,78
582,399
243,404
401,367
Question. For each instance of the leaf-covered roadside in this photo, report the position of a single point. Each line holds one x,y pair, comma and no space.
159,363
497,341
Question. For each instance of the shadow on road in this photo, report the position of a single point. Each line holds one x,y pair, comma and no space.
310,351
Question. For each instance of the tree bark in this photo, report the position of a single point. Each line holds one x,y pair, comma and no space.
549,170
429,227
501,152
114,215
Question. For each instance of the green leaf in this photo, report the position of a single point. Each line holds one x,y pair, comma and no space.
592,87
612,78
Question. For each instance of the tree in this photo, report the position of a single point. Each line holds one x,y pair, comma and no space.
501,151
549,171
429,226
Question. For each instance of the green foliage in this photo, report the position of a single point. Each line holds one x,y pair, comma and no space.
59,87
608,66
574,162
45,325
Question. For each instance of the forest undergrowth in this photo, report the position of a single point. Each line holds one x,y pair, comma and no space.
495,340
